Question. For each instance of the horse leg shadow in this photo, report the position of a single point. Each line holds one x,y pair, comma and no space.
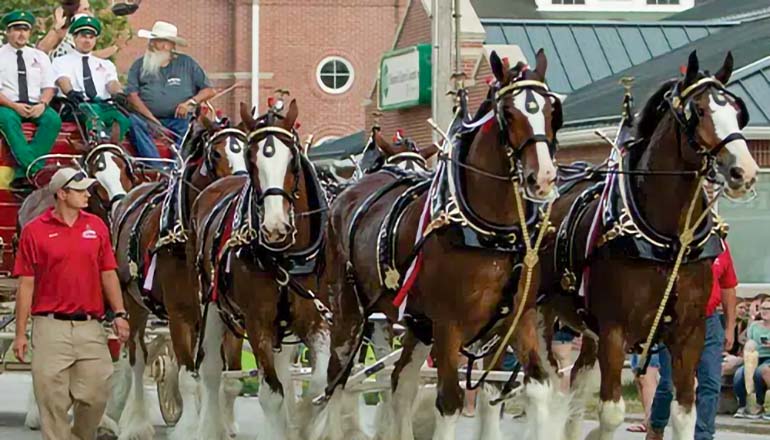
394,413
135,420
612,408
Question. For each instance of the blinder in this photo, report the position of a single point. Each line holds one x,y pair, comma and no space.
101,164
557,116
296,166
209,159
685,111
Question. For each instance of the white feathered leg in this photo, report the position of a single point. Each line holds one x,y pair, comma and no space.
228,392
581,387
489,415
210,424
611,415
395,420
135,420
683,421
187,427
277,408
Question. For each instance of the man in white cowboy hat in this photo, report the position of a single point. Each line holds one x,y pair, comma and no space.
164,86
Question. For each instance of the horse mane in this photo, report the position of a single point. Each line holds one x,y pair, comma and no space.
650,115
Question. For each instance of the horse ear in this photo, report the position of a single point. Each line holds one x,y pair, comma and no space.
380,141
541,64
291,116
247,117
497,67
692,69
724,73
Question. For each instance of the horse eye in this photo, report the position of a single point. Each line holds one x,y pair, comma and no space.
700,111
216,154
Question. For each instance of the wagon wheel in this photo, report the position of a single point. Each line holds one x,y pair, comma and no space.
166,372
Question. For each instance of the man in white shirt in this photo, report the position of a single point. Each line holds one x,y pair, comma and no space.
88,81
26,88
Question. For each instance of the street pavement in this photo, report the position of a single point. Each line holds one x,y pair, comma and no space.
15,389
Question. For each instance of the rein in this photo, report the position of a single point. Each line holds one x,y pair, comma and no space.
446,158
685,238
531,260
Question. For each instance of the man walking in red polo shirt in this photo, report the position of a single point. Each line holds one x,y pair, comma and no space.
64,263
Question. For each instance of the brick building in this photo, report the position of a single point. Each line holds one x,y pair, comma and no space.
326,52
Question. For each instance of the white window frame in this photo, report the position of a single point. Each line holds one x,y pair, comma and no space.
614,6
328,89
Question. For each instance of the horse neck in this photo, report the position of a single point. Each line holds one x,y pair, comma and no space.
492,199
303,223
197,183
665,200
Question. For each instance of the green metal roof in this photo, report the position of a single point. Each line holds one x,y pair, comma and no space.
752,83
580,53
339,148
749,43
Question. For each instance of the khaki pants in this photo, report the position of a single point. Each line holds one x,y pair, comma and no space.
71,366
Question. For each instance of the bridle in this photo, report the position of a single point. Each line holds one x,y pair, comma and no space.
685,112
514,152
96,155
209,161
269,133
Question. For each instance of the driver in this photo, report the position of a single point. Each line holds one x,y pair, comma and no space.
88,81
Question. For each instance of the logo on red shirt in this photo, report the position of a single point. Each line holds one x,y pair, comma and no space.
89,233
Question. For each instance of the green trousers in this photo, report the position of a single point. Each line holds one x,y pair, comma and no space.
103,115
48,126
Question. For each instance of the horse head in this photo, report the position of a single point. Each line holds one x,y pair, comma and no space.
528,116
274,166
713,118
113,169
223,148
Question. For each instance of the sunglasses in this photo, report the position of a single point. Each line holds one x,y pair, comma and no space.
76,178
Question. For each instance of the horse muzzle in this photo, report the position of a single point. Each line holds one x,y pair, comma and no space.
277,237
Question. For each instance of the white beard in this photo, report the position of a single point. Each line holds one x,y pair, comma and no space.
153,61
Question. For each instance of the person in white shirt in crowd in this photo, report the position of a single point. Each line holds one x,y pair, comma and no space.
26,88
89,82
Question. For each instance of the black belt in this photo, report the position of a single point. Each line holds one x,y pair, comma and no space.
68,316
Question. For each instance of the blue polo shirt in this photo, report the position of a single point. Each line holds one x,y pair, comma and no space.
174,84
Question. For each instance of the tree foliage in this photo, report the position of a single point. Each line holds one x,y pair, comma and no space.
114,27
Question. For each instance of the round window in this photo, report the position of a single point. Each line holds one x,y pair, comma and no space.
335,75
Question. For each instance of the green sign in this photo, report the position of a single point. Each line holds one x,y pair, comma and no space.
405,78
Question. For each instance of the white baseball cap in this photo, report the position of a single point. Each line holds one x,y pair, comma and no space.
70,178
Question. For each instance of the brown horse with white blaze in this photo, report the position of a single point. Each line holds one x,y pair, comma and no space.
261,273
504,170
150,232
648,222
